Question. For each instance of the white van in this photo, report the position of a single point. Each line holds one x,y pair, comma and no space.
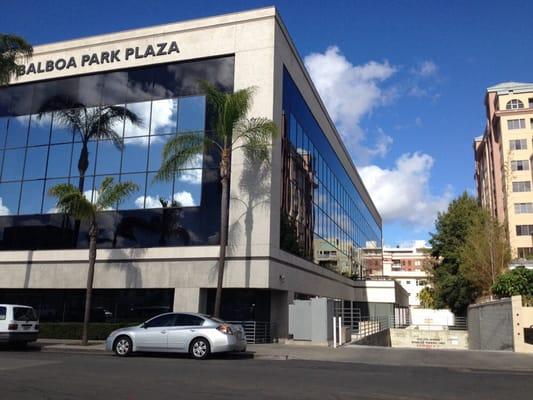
18,324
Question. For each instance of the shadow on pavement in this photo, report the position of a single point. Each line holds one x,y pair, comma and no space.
28,348
217,356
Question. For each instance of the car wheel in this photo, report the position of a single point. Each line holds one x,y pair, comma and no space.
123,346
200,349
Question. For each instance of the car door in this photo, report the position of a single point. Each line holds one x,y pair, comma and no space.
153,334
186,328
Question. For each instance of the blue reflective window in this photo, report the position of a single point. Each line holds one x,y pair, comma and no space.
3,130
191,114
164,116
134,155
13,164
39,129
142,110
59,161
31,197
17,132
9,198
157,190
61,133
156,149
50,202
136,200
187,187
108,161
35,162
76,154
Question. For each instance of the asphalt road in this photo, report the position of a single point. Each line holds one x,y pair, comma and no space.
40,375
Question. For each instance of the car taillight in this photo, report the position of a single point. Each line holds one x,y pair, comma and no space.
226,329
12,327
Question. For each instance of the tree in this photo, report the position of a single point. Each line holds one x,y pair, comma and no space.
12,49
232,131
485,253
518,281
89,123
452,288
427,297
72,202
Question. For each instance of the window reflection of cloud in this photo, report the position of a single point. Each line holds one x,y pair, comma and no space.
184,198
4,210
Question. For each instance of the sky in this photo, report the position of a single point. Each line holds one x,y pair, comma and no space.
404,81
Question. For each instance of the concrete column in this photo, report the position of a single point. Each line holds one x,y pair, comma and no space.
279,311
189,300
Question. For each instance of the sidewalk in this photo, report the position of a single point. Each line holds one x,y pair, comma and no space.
371,355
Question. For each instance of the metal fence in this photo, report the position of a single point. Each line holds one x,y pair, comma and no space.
258,331
455,324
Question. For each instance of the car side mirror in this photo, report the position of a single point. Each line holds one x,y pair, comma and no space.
143,326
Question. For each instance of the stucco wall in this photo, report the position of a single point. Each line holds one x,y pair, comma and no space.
490,325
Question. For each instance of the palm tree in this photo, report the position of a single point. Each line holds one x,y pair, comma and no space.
90,123
72,202
232,131
12,48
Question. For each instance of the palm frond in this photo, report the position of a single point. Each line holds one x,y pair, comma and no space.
72,202
110,194
12,49
107,121
257,135
180,152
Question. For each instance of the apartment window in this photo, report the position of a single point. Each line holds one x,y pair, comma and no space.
525,252
514,104
407,282
516,123
524,230
530,101
520,165
523,208
421,282
522,186
531,123
518,144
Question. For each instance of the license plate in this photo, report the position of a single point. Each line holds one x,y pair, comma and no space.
26,327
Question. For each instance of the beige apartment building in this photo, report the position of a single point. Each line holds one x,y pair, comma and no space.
503,162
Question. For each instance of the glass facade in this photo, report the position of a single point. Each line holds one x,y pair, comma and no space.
39,149
324,218
108,305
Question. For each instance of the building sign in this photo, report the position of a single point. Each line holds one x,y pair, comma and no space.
99,58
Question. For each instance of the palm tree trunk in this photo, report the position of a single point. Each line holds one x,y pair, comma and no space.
83,164
224,208
90,278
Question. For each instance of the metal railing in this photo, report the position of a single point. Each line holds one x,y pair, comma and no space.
457,324
258,331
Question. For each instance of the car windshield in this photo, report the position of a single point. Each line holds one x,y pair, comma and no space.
24,314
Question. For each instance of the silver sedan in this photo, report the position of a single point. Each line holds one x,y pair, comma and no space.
196,334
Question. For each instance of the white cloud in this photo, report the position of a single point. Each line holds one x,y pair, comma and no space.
425,69
184,198
163,120
151,202
193,176
402,193
349,93
3,209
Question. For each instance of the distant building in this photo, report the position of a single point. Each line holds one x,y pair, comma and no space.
406,266
503,162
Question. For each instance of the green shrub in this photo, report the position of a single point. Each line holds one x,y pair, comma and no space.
72,330
518,281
